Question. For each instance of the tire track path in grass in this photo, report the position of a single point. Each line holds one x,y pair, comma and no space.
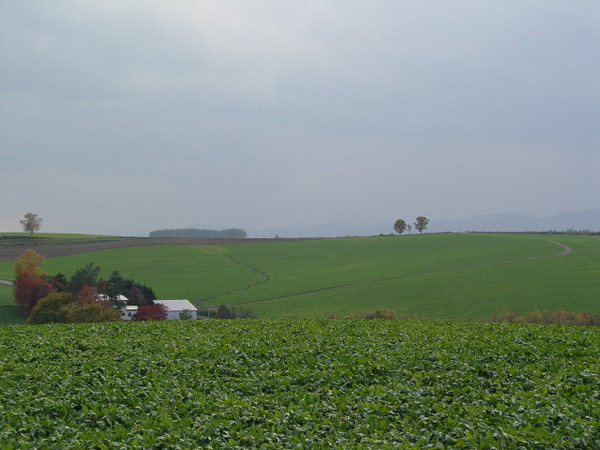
265,277
565,251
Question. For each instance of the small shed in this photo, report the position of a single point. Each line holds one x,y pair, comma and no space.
175,308
127,312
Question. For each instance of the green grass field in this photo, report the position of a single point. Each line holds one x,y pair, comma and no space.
319,383
442,276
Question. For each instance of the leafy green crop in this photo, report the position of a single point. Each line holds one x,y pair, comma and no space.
299,383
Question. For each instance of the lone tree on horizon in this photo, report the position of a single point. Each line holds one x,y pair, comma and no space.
421,223
31,223
400,226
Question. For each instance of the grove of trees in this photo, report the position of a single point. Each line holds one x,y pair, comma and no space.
421,222
82,298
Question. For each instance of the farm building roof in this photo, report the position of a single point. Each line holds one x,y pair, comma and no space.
177,305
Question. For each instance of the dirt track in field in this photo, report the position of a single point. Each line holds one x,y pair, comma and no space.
11,253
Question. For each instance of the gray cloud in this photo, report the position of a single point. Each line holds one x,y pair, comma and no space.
270,114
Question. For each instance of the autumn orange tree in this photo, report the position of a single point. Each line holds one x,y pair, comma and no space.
29,261
30,280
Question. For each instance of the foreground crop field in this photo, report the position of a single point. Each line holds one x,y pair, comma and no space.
285,383
441,276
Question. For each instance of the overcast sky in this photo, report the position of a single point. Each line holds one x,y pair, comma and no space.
129,116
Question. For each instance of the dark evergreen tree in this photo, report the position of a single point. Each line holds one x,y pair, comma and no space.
86,276
58,282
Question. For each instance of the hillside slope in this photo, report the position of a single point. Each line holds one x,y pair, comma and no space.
452,276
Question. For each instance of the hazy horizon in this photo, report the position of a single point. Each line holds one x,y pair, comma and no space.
127,117
587,220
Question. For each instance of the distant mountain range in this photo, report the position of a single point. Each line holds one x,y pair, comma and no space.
571,220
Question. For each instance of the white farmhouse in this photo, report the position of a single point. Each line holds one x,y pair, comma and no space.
176,307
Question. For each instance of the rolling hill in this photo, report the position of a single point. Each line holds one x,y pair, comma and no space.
442,276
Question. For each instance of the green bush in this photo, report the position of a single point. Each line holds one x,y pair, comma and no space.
50,309
91,313
563,317
379,314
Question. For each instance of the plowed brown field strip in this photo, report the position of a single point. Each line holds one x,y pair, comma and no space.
52,251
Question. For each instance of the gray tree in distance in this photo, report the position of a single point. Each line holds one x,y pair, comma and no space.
421,223
31,223
400,226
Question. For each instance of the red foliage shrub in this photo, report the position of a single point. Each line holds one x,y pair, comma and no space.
157,311
29,288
